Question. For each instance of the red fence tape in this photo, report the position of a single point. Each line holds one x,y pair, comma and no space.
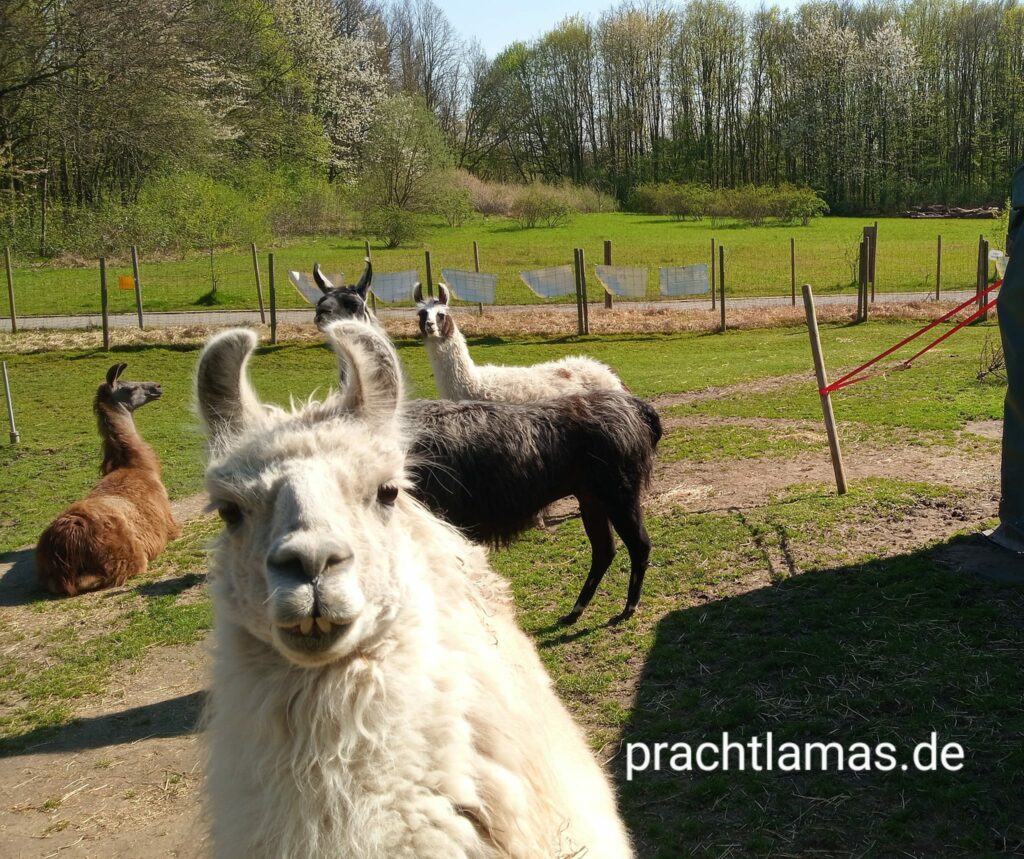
855,376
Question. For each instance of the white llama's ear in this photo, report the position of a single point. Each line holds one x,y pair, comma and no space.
224,396
417,293
367,367
442,293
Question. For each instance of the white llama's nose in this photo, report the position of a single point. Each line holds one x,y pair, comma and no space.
305,555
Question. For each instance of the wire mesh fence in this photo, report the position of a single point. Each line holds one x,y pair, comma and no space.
760,266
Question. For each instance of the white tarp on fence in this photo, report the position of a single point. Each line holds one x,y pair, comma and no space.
549,282
685,280
394,286
308,289
471,285
623,281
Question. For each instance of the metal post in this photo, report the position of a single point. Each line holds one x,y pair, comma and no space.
826,399
792,268
712,274
583,293
273,299
15,438
721,284
10,291
430,275
138,284
938,268
607,261
259,283
103,304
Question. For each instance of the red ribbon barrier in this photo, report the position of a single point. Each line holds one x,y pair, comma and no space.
855,376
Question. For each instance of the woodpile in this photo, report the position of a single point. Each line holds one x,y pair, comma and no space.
938,211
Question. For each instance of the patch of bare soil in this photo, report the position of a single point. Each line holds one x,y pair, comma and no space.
123,779
986,429
755,386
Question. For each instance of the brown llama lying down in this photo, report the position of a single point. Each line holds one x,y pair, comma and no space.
126,521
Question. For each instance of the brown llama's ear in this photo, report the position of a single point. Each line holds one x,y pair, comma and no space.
442,293
224,397
364,282
114,373
417,293
368,368
325,285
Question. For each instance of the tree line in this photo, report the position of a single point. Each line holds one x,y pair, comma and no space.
875,106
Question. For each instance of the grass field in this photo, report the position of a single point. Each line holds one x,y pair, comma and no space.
757,261
778,608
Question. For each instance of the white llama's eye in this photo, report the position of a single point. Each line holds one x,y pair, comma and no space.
387,493
231,513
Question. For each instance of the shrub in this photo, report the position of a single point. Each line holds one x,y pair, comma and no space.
793,204
393,225
452,200
537,203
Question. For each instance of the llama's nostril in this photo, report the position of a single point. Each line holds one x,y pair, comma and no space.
292,559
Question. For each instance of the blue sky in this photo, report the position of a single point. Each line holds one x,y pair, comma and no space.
495,25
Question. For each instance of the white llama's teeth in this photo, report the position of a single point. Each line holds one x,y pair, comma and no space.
306,625
324,624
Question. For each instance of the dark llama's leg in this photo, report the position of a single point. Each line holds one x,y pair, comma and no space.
628,520
602,552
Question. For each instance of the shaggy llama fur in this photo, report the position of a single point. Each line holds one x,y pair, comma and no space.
372,694
490,468
458,378
126,521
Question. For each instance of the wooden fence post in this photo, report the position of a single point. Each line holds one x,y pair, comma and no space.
982,282
10,291
15,438
712,274
583,292
938,268
826,399
138,285
369,258
273,299
872,264
579,294
607,261
103,304
430,275
863,277
259,283
721,284
792,268
476,268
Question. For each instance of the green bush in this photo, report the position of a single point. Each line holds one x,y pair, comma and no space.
393,225
452,200
537,204
753,204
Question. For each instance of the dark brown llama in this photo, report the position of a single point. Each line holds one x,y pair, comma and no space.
126,521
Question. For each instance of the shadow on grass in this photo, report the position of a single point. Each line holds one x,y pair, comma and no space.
174,717
18,585
886,651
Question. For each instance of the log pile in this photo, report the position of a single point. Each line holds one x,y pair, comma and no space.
938,211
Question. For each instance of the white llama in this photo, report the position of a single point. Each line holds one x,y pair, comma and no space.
372,695
458,378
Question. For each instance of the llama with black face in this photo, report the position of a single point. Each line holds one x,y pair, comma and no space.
344,302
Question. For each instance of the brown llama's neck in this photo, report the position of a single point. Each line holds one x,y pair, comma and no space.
123,447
